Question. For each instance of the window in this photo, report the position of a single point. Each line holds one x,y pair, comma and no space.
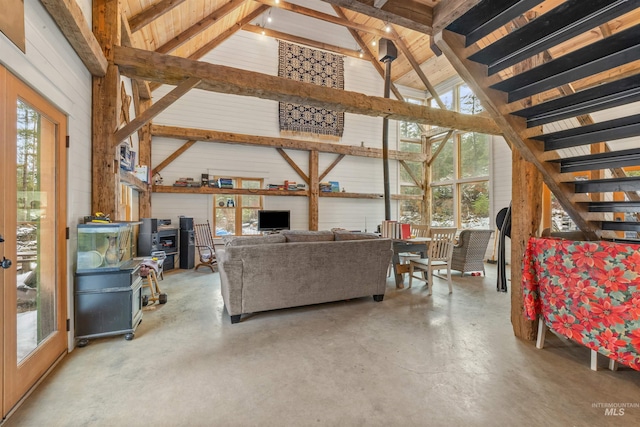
460,182
237,214
410,141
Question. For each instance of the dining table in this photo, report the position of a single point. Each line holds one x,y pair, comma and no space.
417,245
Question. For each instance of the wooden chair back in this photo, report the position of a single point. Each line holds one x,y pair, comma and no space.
420,230
441,244
205,246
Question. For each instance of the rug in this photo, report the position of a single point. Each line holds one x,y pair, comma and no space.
308,65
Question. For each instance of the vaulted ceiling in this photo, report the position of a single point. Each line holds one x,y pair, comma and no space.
191,28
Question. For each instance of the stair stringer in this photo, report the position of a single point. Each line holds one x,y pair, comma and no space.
514,128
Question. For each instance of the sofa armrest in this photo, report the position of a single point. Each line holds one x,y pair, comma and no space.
230,283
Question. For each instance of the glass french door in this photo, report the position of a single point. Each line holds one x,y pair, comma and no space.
32,225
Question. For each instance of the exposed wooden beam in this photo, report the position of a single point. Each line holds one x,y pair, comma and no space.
416,67
200,26
212,44
104,114
268,141
293,164
410,172
447,11
406,13
155,109
331,166
71,21
167,69
166,162
144,91
366,50
434,156
152,13
209,46
301,40
314,190
324,17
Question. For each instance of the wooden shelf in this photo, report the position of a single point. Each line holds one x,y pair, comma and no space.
129,179
231,191
265,192
352,195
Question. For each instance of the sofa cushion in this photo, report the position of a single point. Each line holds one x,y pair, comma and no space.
351,235
308,236
253,240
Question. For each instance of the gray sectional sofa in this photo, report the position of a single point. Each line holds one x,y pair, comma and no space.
296,268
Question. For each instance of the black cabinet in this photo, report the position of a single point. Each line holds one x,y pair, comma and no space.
108,303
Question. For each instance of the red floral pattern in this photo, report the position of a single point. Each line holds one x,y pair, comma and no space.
587,291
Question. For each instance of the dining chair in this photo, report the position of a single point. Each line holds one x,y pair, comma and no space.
438,256
417,230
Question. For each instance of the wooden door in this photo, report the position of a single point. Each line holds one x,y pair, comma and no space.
32,224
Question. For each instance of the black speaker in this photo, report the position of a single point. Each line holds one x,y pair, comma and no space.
186,223
387,51
149,225
187,249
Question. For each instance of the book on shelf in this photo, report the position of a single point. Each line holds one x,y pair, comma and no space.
395,230
225,183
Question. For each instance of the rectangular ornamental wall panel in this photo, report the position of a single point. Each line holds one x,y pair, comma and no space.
308,65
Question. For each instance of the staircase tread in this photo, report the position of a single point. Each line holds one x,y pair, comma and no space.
612,94
487,16
556,26
616,50
610,130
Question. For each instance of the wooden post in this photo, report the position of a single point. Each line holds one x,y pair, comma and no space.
526,216
426,179
314,189
105,167
144,148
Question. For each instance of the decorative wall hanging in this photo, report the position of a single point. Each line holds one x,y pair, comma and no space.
308,65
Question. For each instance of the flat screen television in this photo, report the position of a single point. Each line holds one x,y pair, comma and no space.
273,220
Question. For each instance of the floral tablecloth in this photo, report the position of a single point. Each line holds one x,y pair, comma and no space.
587,291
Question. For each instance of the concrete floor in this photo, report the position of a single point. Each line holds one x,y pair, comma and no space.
411,360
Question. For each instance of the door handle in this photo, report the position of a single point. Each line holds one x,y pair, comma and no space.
6,263
1,239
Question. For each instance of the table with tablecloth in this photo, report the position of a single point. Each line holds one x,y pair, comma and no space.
588,292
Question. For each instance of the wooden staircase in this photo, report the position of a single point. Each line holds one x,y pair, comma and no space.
541,68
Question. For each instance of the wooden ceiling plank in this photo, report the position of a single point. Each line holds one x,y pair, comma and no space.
301,40
200,26
293,164
155,109
152,13
366,51
333,165
324,17
166,162
289,143
71,21
169,69
208,47
405,13
447,11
